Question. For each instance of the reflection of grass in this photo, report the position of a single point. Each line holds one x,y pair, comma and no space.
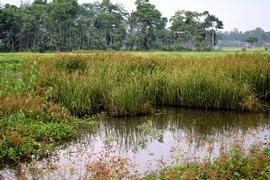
234,165
148,132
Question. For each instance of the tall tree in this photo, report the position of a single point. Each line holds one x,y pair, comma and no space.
111,23
146,21
9,28
34,32
211,24
63,14
192,29
88,35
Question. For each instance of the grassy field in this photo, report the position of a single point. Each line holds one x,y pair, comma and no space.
42,96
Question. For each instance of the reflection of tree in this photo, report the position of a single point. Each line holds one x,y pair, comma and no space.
128,133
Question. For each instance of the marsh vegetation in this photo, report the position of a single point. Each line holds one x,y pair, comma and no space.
49,99
109,101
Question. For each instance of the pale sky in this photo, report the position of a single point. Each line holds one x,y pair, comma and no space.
241,14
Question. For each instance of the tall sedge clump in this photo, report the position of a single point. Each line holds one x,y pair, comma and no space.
253,70
81,97
124,84
128,99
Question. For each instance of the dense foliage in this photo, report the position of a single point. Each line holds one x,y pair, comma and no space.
65,25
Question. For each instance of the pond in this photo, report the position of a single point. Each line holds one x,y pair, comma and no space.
146,143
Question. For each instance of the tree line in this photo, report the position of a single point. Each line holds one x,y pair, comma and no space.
65,25
258,37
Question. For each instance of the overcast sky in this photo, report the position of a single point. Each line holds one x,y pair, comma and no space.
241,14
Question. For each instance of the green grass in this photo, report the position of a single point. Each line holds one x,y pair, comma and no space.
22,136
30,123
127,84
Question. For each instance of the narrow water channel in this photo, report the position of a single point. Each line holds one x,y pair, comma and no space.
170,136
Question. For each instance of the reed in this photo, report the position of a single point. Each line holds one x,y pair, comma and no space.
130,83
127,84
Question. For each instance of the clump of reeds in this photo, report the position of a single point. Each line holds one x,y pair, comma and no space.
125,84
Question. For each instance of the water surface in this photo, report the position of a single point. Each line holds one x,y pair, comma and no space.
170,136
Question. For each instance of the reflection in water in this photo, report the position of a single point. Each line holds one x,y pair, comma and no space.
172,134
128,133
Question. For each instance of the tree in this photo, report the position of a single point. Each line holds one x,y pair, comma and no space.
259,34
192,29
34,32
211,24
146,21
110,21
238,38
251,40
63,14
64,25
9,28
88,36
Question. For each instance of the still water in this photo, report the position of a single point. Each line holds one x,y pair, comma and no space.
169,136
